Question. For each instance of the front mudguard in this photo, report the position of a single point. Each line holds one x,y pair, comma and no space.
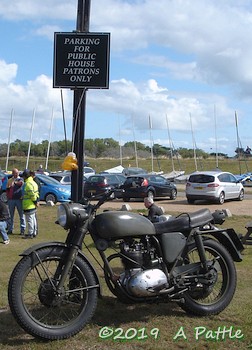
39,246
230,240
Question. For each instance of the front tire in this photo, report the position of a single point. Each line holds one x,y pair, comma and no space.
3,197
41,310
241,195
211,299
51,197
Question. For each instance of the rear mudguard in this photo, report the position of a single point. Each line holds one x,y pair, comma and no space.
229,239
39,246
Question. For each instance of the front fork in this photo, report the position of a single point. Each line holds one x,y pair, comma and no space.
74,242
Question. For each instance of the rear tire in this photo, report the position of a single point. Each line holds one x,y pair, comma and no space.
173,194
150,195
190,201
221,198
212,298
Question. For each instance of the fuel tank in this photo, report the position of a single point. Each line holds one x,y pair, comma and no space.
119,224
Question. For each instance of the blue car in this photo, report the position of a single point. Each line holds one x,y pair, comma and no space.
50,189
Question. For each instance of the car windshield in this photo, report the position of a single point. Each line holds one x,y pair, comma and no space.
95,179
48,180
201,178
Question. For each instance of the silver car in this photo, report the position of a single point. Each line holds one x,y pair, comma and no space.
214,186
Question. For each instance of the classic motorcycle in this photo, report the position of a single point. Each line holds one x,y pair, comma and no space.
54,288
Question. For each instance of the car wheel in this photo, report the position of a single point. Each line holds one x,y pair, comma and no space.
241,195
3,197
150,195
221,198
190,201
51,197
173,194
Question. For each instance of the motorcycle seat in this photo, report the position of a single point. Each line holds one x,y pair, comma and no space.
184,222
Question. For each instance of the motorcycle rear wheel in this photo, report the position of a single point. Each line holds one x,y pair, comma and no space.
38,309
205,300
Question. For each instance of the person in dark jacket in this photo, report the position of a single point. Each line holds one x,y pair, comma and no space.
154,210
14,195
4,217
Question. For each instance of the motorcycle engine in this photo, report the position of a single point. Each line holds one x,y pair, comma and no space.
143,275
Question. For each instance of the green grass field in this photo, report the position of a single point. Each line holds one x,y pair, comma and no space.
101,164
168,320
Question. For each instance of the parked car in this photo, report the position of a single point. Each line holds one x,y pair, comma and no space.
52,190
62,176
3,195
214,186
148,185
97,184
2,176
88,171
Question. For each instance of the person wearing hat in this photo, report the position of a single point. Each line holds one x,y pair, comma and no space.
14,195
30,203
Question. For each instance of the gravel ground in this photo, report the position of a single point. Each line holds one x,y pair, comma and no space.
180,205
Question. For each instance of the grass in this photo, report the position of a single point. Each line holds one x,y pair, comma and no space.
169,319
164,164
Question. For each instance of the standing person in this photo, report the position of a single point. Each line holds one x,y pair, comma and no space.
30,203
14,195
154,210
4,217
36,179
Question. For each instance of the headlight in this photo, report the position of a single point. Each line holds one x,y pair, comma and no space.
69,214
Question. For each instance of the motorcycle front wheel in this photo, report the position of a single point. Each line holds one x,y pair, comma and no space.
213,296
42,310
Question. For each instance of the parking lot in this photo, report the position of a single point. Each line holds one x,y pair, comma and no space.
180,205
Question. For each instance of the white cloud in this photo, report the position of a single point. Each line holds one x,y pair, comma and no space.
7,72
199,42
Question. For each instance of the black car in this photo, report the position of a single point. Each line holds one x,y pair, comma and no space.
96,185
148,185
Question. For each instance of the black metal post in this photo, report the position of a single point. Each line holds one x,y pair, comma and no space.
79,111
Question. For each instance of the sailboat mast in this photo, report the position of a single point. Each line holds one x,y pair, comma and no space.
216,146
170,143
49,142
238,140
193,141
9,137
135,146
120,146
151,142
29,148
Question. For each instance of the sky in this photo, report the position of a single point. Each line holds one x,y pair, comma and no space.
182,66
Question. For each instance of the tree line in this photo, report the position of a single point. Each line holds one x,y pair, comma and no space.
98,148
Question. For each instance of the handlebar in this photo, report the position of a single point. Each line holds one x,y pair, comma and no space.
105,197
